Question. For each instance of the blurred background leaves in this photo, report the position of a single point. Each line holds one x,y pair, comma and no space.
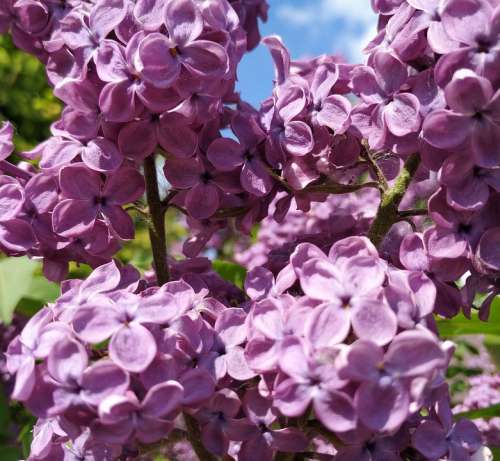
25,98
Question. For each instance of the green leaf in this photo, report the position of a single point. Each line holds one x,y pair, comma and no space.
40,292
230,271
25,437
43,290
461,325
10,454
16,275
481,413
492,344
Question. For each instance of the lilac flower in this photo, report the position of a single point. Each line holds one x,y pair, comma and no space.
412,295
272,322
350,287
468,185
6,144
35,342
288,132
474,117
103,280
474,25
132,346
86,197
162,59
383,398
228,356
266,441
219,424
123,417
77,384
81,118
313,379
227,155
459,441
15,234
437,37
365,445
87,37
456,233
330,110
380,87
418,253
99,154
139,138
121,98
204,184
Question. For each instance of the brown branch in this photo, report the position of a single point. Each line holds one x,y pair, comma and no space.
376,170
194,438
157,226
337,188
411,213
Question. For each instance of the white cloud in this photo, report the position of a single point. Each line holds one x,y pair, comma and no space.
355,21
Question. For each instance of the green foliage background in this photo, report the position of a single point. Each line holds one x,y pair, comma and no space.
25,98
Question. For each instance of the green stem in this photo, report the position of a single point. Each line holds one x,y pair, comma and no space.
388,211
157,234
372,163
336,188
412,213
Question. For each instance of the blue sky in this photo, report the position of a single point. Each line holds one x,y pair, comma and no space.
308,28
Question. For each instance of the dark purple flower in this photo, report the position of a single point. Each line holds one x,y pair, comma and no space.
87,197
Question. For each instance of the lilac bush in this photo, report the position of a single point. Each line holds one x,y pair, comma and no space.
376,188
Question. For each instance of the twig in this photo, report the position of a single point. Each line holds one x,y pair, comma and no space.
178,208
372,163
388,212
411,213
280,180
157,228
337,188
194,437
166,201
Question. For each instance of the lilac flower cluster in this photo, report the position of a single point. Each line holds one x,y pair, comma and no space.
345,340
133,78
71,213
326,222
484,392
432,86
64,376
